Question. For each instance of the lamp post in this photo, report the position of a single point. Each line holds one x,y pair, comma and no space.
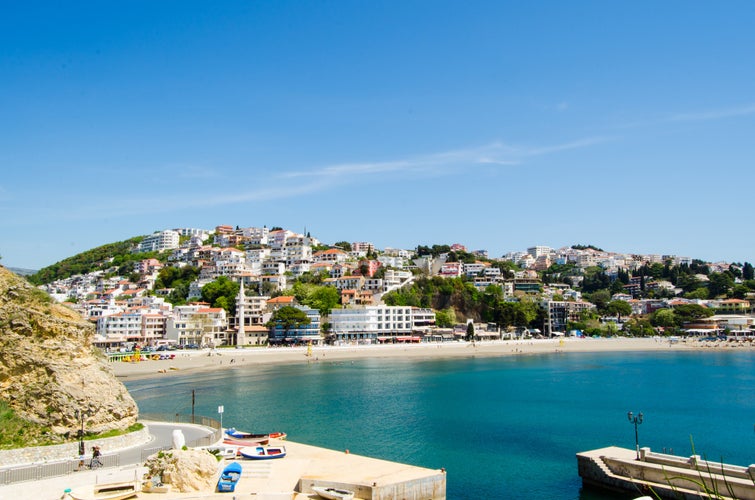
636,420
80,416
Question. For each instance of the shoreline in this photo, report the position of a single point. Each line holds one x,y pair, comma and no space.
224,359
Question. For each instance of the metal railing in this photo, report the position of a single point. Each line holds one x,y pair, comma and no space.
34,472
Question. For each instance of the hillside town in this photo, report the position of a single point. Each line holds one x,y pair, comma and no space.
266,262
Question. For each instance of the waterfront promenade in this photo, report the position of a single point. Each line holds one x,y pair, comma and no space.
293,477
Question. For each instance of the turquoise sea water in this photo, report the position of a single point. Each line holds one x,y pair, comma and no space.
505,427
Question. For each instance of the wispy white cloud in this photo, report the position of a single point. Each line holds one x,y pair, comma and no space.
495,153
716,114
284,186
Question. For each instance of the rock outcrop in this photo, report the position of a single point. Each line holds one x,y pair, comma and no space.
49,369
185,470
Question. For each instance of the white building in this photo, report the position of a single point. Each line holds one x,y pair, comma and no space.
157,242
197,324
539,250
371,323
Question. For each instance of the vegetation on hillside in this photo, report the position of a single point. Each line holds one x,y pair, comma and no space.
113,255
457,299
16,432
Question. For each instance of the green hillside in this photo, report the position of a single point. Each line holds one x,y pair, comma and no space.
113,255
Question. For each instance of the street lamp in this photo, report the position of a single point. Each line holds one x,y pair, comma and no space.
636,420
80,416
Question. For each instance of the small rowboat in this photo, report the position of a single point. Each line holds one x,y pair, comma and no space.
231,432
333,493
229,477
237,434
107,491
262,452
247,442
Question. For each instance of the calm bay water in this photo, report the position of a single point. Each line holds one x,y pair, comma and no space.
506,427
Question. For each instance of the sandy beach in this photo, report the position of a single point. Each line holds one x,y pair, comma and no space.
221,359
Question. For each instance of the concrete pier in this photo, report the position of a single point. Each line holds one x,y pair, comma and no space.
667,476
290,478
307,466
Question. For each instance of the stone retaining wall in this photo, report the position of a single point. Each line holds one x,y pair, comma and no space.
42,454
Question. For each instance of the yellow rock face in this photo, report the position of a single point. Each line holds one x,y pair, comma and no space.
48,367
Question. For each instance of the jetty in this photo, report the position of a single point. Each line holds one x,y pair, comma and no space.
293,477
666,476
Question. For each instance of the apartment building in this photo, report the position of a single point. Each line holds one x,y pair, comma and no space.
332,255
197,324
371,324
362,247
560,313
159,241
304,334
138,326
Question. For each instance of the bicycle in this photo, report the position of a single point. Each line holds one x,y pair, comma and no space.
95,463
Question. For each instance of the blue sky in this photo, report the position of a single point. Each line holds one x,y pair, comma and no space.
499,125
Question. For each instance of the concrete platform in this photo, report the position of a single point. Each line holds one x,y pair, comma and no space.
664,476
288,478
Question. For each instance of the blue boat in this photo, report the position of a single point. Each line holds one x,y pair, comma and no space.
229,477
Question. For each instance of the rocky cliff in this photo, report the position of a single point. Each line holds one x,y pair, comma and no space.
49,369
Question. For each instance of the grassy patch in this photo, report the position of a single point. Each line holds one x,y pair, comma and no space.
16,432
116,432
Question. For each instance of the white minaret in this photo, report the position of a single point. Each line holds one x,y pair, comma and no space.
240,300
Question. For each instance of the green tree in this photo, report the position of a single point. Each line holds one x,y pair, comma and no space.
445,318
289,318
470,331
324,299
700,293
747,271
619,308
639,327
664,318
221,293
343,245
720,283
691,312
600,298
740,291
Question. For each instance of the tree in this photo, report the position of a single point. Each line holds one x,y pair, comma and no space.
289,318
600,298
700,293
720,283
748,272
221,293
689,312
445,318
619,308
324,299
470,331
343,245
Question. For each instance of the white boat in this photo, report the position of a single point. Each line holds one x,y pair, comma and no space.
107,491
262,452
333,493
226,451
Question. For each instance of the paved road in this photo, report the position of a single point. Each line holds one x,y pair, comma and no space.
162,437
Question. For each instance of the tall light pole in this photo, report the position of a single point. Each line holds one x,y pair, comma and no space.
636,420
80,416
